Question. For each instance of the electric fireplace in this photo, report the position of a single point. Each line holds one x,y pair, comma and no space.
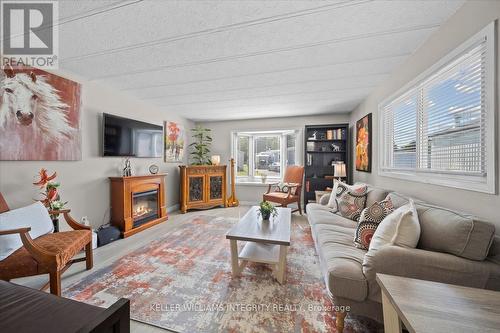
144,207
137,202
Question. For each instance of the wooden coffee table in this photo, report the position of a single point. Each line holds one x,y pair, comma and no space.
266,242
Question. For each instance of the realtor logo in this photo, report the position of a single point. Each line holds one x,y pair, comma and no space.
29,34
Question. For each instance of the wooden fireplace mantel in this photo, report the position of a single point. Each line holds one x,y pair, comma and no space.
122,191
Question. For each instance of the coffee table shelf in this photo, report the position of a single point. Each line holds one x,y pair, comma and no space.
263,253
266,242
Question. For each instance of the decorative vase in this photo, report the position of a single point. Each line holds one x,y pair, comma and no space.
266,216
55,222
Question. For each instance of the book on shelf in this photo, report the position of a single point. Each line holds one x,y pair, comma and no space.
338,134
309,159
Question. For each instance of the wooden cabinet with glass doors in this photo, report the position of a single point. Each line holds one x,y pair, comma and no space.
202,186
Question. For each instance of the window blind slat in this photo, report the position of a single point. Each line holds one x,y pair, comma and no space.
439,125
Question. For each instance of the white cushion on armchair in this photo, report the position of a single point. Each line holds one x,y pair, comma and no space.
34,216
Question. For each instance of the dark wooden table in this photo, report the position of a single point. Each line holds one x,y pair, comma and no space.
23,309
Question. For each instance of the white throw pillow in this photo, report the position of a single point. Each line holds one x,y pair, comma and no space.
34,216
408,229
400,228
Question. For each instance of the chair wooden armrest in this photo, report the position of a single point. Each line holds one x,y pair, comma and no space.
40,254
70,220
15,231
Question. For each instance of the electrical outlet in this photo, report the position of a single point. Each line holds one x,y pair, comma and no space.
84,220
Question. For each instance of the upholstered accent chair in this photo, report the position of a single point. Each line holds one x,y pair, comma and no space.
51,253
289,191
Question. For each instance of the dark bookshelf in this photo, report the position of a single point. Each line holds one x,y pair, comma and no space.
330,146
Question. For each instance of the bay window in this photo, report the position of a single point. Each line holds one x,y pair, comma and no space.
263,155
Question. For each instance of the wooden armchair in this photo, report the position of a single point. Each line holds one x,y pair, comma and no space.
291,190
48,254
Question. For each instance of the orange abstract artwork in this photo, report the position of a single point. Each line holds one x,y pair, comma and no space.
364,144
174,142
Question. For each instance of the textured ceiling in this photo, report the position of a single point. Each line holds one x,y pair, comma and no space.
219,60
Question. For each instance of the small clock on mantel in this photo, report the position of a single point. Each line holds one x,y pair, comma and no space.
153,169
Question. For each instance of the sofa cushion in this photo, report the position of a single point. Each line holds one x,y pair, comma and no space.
374,195
322,215
448,231
317,206
494,253
398,199
341,262
34,216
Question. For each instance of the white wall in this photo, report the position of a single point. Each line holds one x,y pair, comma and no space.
467,21
221,134
85,183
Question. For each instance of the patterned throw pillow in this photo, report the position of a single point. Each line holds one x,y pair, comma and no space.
369,221
284,187
340,188
351,202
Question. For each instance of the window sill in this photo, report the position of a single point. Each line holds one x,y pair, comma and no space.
259,184
464,183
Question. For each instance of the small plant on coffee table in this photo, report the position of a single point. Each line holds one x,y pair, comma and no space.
266,209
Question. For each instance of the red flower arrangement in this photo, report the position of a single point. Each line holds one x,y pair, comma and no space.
51,199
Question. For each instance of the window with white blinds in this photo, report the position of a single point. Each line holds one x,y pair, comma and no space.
440,128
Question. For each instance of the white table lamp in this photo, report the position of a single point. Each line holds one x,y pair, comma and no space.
215,159
339,170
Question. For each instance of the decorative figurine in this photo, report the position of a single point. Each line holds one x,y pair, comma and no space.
127,170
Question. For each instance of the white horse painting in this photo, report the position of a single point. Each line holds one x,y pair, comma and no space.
34,120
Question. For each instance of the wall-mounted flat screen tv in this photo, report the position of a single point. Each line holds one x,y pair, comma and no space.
128,137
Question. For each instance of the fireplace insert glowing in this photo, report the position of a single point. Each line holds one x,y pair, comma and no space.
144,207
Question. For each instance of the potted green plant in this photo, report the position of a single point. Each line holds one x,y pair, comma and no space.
266,210
200,154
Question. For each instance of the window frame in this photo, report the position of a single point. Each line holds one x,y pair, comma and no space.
487,183
282,134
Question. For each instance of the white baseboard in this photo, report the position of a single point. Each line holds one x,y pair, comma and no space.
249,203
173,208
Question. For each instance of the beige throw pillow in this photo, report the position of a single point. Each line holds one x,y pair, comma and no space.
400,228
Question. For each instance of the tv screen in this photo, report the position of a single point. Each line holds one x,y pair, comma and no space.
128,137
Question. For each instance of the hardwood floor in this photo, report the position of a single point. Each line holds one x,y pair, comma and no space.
107,254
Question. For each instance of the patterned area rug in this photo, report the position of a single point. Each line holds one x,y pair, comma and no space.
182,282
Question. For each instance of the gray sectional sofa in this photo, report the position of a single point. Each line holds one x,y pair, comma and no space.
454,248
